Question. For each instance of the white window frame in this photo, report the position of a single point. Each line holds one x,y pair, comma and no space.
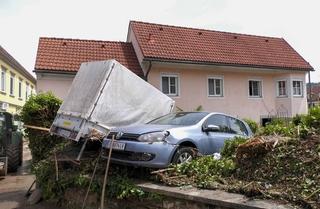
20,88
3,79
221,87
27,90
278,89
261,88
11,84
301,88
177,87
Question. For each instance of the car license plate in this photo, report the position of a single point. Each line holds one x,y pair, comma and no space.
64,132
67,133
116,145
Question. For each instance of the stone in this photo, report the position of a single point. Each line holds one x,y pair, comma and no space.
168,204
35,197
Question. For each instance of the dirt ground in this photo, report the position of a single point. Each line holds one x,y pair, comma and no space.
14,186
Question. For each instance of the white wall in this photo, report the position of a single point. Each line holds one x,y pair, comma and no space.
56,83
193,91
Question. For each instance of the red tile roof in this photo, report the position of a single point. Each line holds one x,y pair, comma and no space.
57,54
315,89
172,43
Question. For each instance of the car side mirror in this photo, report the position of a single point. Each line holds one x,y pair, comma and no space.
211,128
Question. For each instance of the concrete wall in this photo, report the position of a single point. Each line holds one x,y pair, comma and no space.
193,91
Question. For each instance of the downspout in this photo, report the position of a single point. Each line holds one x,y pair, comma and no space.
149,68
309,89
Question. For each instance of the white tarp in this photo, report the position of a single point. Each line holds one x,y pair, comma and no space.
108,94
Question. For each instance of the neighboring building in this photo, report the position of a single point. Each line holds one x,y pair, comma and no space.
16,83
58,60
314,94
242,75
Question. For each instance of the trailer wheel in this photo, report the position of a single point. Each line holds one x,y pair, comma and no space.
13,154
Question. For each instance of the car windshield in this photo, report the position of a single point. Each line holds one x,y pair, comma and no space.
180,118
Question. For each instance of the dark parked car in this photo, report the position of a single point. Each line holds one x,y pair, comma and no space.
173,138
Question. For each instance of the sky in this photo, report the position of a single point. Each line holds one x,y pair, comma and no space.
22,22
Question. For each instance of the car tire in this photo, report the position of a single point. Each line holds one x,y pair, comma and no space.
183,155
13,154
21,153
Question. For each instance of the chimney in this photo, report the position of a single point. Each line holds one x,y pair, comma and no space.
150,38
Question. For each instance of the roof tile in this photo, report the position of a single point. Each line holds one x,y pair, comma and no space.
208,46
57,54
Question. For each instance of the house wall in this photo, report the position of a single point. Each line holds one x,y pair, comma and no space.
299,104
193,92
14,102
58,84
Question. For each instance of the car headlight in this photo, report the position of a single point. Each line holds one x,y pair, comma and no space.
154,136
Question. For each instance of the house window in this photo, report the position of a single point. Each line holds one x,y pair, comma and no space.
215,87
255,88
27,90
11,84
170,85
20,89
297,88
3,79
281,88
32,90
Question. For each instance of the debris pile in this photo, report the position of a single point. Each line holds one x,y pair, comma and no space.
257,148
291,171
272,167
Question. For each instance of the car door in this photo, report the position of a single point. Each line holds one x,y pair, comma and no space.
215,139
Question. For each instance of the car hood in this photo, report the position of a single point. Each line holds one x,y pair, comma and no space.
143,128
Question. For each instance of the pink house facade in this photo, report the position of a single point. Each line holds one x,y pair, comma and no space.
242,75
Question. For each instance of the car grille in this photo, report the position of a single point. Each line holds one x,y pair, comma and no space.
129,156
125,136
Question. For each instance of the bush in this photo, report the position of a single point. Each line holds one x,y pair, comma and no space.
205,170
252,124
280,127
312,119
307,124
40,110
297,120
230,147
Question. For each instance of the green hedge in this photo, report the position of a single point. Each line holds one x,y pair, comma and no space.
252,124
40,110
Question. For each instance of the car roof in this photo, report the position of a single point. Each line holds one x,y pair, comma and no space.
210,113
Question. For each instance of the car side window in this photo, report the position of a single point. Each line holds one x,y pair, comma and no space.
237,127
218,120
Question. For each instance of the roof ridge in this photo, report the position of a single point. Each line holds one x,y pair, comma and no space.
83,40
17,65
208,30
297,53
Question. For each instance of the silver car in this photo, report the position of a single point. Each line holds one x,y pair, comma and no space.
173,138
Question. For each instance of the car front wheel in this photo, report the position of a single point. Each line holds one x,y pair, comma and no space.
183,155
